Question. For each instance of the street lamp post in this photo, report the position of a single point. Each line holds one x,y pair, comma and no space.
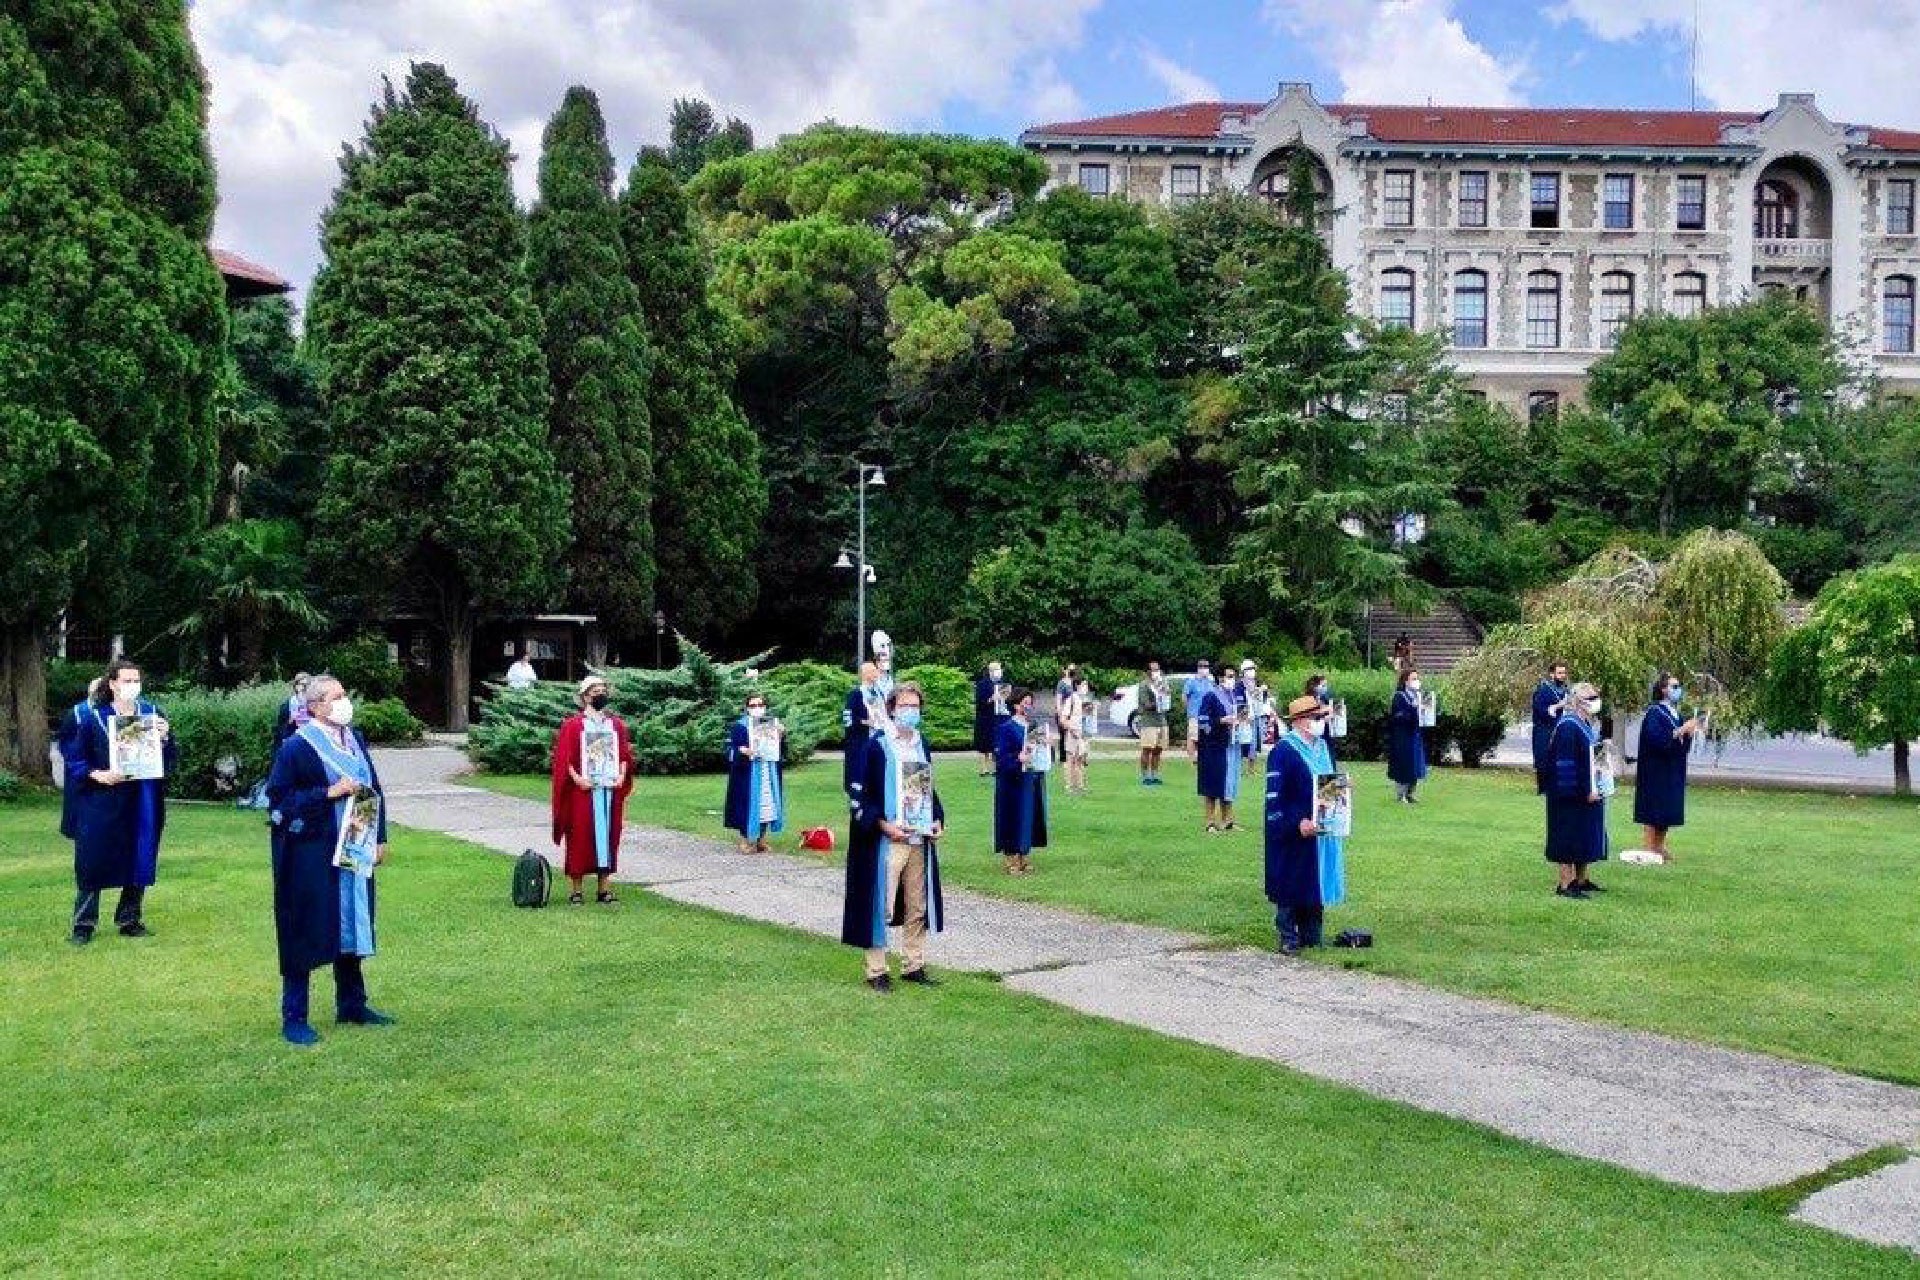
659,630
862,571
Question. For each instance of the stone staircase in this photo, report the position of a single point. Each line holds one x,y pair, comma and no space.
1440,638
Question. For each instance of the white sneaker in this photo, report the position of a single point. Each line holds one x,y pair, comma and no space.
1641,857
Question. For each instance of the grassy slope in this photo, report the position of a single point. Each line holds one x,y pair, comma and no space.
655,1090
1791,924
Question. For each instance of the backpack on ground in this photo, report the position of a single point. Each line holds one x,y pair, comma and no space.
532,880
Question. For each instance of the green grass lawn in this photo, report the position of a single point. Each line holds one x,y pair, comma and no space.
652,1089
1791,923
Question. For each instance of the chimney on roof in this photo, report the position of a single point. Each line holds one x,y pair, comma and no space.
1796,99
1296,87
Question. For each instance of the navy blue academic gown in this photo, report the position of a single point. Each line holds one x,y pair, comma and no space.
1215,755
856,727
1546,696
1019,795
1660,776
1406,743
986,721
741,812
306,884
865,870
1576,829
115,830
1293,860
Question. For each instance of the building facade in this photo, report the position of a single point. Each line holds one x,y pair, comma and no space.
1529,236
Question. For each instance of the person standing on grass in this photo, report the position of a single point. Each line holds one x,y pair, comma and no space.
990,711
893,865
1406,740
1549,702
1193,693
1259,709
858,721
293,712
1019,790
1073,731
1215,774
1305,867
1660,777
756,798
322,914
1062,694
589,811
1576,812
1153,703
115,822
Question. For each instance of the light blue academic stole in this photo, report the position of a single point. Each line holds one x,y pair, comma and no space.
762,775
1331,849
356,912
897,756
146,816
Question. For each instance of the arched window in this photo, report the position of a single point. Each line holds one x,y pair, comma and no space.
1543,309
1616,306
1543,408
1470,309
1689,293
1776,212
1896,312
1396,298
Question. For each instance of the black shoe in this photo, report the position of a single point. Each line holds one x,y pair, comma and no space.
1571,891
883,984
1587,886
1413,799
920,977
368,1017
1288,947
574,899
135,930
80,938
608,896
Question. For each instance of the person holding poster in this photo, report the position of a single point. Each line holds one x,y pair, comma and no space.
1660,777
1305,864
1576,810
1020,762
1217,776
1406,741
861,716
592,776
756,795
328,820
1153,700
893,867
117,751
1549,701
990,711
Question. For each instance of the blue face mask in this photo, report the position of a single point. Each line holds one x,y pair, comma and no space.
907,717
1675,693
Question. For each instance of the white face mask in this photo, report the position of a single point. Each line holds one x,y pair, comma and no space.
757,713
1309,729
993,674
340,711
1414,685
1593,706
128,691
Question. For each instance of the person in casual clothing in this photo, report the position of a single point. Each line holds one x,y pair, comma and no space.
588,810
293,712
1259,711
893,865
1406,740
1062,693
1019,789
1077,745
990,711
1576,812
1216,775
1660,776
756,795
521,674
860,718
1153,702
1305,867
1549,702
322,914
1192,693
115,822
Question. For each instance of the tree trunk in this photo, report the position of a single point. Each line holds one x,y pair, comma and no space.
1902,772
23,702
457,618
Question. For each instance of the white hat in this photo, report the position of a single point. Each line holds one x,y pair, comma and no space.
589,681
1246,664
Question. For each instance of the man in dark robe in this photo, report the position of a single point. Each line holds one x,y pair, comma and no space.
1549,699
323,913
990,711
893,865
1305,866
114,821
863,706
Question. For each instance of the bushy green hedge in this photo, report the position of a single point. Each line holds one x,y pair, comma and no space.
387,721
212,725
12,787
946,716
1369,694
366,667
678,718
820,690
816,690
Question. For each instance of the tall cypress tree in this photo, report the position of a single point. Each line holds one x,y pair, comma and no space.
439,482
710,496
596,348
112,320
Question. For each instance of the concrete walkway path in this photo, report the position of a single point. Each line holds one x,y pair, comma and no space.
1678,1111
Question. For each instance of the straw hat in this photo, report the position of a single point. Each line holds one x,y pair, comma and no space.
1306,705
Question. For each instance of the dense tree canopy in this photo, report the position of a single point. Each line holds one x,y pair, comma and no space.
439,477
695,138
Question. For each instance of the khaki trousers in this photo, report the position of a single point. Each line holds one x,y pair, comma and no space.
906,863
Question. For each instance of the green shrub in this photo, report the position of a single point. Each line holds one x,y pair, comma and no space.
387,720
1487,607
814,691
366,667
678,718
1369,695
212,726
67,684
11,787
1806,558
946,715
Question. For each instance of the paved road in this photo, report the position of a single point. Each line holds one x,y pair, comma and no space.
1797,758
1681,1112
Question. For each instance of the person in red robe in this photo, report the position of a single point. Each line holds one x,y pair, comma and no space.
592,774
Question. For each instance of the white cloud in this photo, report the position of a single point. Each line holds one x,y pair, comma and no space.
1390,51
1182,84
1856,56
293,79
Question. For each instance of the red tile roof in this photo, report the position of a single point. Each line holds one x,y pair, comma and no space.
1519,126
248,277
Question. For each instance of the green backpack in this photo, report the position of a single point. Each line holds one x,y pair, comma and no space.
532,880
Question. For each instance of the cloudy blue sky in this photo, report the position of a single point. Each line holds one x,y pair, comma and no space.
292,78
